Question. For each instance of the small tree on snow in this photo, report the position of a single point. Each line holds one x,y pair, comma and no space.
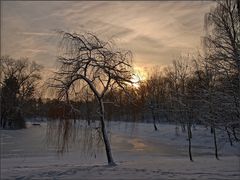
88,62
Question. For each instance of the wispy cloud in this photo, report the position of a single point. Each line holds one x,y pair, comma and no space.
37,33
155,31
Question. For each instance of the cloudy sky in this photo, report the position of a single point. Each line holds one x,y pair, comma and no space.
155,32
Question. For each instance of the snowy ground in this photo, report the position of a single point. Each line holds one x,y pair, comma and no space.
139,151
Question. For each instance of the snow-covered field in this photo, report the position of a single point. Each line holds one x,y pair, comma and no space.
139,151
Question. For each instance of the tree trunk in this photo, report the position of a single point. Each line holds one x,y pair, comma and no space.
154,120
183,127
189,142
105,136
211,130
215,143
229,136
234,134
2,119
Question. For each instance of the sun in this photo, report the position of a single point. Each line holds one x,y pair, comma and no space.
135,81
138,77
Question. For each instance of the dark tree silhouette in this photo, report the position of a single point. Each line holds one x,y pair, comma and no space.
90,63
19,79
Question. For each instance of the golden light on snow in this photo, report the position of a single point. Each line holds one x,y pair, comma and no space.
138,144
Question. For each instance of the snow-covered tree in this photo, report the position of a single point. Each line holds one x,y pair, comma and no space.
222,53
88,63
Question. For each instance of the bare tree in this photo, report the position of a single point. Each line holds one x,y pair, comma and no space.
88,62
222,56
26,72
222,48
152,101
19,79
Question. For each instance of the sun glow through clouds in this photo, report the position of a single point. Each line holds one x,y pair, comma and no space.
138,77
